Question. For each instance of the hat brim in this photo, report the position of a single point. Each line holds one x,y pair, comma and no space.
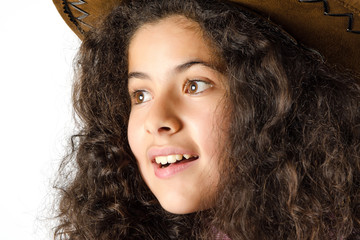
329,26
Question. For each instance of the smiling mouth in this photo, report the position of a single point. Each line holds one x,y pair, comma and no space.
165,161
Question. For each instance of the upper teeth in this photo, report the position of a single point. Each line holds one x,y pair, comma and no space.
171,158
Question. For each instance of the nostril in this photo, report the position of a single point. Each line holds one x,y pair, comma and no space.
164,129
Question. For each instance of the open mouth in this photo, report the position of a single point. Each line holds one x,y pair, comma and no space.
165,161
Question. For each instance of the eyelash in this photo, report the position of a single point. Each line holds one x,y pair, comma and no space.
187,88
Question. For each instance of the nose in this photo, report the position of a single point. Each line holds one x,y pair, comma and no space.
163,118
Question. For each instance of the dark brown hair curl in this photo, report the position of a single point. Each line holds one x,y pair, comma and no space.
292,169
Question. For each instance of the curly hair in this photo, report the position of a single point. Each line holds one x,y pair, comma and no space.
292,167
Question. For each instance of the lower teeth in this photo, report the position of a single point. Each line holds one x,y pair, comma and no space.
166,165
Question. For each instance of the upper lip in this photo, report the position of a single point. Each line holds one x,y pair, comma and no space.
165,151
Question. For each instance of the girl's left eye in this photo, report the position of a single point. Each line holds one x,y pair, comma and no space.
196,86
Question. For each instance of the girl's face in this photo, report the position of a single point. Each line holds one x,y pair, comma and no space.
176,111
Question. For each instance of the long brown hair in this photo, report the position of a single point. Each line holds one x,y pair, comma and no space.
292,167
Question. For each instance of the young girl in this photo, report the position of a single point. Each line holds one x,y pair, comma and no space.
201,120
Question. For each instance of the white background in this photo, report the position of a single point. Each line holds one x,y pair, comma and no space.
36,58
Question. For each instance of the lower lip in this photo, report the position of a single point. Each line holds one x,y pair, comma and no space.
172,169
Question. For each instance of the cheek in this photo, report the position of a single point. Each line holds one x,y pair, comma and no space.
133,134
208,126
136,141
212,130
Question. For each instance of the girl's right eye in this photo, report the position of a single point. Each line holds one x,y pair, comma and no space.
140,96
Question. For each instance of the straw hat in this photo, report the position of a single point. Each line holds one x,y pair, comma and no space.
331,27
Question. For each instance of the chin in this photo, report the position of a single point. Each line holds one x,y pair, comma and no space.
179,211
183,202
180,208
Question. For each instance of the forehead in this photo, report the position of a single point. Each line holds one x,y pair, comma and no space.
175,38
175,23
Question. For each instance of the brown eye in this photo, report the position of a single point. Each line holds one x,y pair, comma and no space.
141,96
196,86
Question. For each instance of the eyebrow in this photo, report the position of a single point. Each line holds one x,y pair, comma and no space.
187,65
180,68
